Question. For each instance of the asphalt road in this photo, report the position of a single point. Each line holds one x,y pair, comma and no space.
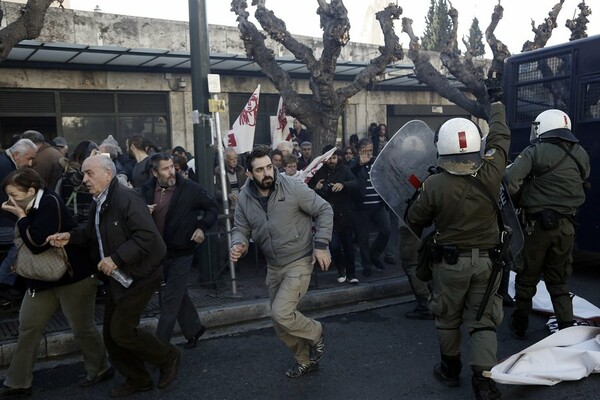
375,354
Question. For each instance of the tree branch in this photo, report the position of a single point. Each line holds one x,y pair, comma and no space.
256,49
465,72
578,26
28,26
544,31
277,30
499,50
432,77
390,52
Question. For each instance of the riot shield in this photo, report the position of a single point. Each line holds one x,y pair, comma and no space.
511,219
403,165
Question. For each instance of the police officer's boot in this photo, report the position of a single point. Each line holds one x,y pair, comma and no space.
448,371
484,388
518,325
567,324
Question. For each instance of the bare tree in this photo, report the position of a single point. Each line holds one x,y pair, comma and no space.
475,98
321,112
27,26
578,26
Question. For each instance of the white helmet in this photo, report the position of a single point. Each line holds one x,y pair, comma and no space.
552,124
458,146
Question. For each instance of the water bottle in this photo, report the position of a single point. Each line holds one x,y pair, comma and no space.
121,277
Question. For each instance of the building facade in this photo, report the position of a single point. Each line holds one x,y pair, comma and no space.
92,74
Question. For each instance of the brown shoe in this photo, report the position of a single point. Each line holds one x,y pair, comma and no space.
168,372
128,388
101,377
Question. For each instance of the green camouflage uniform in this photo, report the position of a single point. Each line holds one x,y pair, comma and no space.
466,218
409,247
547,252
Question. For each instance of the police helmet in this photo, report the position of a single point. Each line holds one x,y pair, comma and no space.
458,146
552,124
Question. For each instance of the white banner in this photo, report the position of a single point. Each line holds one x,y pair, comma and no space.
281,131
311,169
241,135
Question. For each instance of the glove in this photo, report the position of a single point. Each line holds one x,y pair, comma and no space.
495,88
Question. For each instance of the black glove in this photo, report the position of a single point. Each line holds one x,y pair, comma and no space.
495,88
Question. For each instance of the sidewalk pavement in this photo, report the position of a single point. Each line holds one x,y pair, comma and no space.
219,310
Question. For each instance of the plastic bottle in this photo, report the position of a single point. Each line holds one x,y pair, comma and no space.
121,277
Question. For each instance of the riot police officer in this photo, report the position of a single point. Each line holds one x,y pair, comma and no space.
546,181
467,229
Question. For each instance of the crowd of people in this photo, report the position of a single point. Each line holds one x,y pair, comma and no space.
129,221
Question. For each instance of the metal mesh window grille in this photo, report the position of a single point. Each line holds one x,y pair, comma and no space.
547,68
591,101
534,98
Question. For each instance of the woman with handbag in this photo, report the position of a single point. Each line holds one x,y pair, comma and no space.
72,288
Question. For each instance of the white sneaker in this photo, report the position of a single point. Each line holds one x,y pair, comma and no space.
353,281
341,279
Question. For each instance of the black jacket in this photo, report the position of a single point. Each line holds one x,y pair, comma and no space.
341,202
42,221
191,207
129,237
7,219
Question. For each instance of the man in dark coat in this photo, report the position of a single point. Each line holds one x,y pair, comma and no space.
336,183
183,212
123,236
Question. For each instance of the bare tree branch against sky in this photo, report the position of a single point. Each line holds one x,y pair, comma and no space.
514,29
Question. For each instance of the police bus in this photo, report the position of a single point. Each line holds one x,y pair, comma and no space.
566,77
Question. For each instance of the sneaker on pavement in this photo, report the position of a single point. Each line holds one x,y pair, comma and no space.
341,279
353,281
318,348
302,369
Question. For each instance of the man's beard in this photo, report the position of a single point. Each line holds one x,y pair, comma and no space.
264,185
170,181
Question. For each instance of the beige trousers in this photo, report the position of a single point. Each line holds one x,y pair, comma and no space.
287,285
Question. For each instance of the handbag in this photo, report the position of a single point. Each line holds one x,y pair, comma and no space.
49,265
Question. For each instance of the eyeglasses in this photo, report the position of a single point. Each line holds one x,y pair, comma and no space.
349,153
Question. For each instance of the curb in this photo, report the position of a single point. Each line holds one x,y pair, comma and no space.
239,313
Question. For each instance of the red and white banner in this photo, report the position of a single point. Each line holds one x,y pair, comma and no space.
282,126
241,134
311,169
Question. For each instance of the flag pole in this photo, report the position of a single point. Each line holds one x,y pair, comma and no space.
214,88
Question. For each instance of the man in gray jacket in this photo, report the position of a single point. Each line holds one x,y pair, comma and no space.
277,213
